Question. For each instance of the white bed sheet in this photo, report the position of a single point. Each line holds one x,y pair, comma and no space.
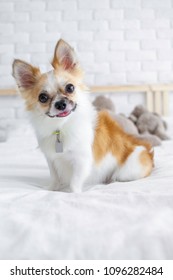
131,220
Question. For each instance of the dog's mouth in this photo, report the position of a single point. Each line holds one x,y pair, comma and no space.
62,114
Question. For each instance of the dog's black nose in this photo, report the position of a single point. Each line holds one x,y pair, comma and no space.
61,105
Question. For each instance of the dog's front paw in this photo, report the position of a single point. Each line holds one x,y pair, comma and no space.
55,186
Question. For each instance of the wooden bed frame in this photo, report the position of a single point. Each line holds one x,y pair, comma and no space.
157,96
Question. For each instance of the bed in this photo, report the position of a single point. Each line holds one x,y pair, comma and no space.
131,220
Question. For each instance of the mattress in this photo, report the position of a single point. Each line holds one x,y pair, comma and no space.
127,220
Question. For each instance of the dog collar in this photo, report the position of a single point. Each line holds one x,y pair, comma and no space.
58,143
56,132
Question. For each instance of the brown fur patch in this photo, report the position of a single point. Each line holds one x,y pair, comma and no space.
146,160
65,59
25,74
31,95
110,138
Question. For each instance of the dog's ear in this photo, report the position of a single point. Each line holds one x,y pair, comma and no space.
64,56
25,74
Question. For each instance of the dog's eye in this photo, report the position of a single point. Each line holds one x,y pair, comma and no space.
69,88
43,97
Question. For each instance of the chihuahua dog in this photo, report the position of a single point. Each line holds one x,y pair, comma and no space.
82,147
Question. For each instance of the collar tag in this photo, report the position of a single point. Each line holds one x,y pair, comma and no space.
58,143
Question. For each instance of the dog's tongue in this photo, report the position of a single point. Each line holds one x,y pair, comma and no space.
63,114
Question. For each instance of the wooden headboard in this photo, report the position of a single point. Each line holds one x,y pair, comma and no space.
157,96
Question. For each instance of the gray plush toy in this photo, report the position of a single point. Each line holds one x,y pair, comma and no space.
149,123
129,126
103,103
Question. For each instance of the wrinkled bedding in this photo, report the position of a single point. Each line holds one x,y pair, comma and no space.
132,220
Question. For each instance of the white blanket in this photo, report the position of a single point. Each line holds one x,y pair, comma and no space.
131,220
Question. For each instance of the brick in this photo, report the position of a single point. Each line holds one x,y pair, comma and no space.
164,13
141,55
156,65
46,16
86,36
97,25
18,37
5,48
13,16
155,23
30,6
142,77
30,26
31,48
41,58
109,56
51,46
109,35
108,14
156,4
6,58
162,55
45,37
6,28
125,3
90,4
22,56
5,69
97,68
77,15
164,33
62,26
113,38
139,13
62,5
6,7
125,45
165,76
111,79
119,66
84,57
155,44
93,46
139,34
124,24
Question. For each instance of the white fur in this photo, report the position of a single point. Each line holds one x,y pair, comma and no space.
75,167
102,172
132,169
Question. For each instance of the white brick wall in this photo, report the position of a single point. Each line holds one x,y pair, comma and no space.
118,41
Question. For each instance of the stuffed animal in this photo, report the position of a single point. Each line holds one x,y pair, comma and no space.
149,123
130,128
104,103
